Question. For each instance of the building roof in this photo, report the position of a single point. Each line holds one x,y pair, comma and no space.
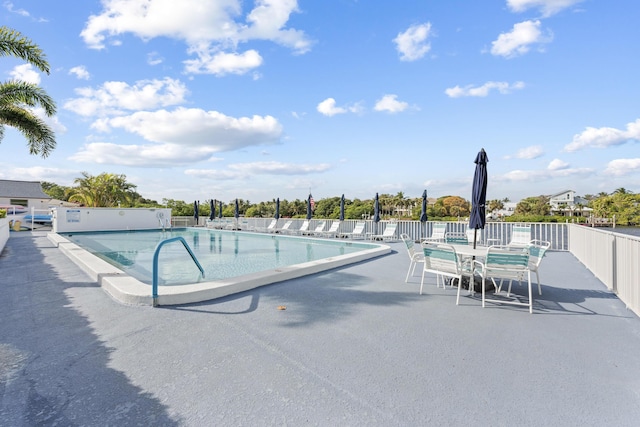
560,193
22,189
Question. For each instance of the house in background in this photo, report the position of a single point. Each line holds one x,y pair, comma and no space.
566,203
25,194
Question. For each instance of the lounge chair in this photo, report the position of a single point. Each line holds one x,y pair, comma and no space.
437,233
285,228
332,231
456,238
520,237
357,233
270,228
318,230
415,257
388,234
304,228
537,249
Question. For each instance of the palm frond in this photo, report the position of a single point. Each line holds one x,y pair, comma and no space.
18,92
40,138
13,43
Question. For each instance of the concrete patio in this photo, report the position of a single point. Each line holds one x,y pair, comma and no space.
355,346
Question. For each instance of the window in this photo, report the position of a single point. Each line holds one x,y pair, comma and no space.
19,202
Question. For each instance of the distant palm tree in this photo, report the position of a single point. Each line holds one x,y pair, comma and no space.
622,190
18,97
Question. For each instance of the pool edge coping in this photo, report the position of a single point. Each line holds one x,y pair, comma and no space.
128,290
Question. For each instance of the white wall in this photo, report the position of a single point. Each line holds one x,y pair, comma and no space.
4,232
101,219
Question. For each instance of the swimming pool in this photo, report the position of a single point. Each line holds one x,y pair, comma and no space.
233,261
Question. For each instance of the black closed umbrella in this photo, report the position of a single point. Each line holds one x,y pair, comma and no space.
423,212
342,208
236,212
212,209
376,211
220,209
477,218
309,207
277,215
195,211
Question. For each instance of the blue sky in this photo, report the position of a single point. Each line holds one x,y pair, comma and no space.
200,99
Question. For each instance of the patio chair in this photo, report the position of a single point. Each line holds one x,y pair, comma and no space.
357,233
456,238
537,249
415,257
505,263
388,234
332,231
470,233
437,233
441,259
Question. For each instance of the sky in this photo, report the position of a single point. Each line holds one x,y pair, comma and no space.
264,99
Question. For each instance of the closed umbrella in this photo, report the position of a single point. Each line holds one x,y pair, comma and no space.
220,209
309,207
477,218
423,212
236,212
195,211
277,215
342,208
212,209
376,212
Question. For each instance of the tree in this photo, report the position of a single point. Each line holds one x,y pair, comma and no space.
17,98
533,206
104,190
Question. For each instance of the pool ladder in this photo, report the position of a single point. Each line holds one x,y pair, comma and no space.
156,254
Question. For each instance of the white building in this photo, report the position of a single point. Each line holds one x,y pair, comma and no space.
566,203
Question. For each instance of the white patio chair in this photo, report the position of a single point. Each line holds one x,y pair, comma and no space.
441,259
388,234
437,233
415,257
357,233
456,238
505,263
537,249
470,233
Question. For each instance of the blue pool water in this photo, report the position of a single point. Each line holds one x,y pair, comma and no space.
222,254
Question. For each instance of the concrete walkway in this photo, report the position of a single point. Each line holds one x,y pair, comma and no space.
355,346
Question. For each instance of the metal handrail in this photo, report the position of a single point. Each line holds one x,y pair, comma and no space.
155,264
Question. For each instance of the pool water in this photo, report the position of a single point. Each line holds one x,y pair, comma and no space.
222,254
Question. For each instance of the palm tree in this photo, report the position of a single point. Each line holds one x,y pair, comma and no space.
18,97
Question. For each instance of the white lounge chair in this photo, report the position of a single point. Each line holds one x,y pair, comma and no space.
270,228
357,233
388,234
285,228
304,228
332,231
318,230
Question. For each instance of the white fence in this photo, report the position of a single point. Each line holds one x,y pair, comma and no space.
613,258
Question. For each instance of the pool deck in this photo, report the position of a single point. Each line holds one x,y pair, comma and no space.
355,346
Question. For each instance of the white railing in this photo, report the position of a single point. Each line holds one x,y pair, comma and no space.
612,258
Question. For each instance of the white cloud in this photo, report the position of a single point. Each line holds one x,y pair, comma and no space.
544,174
328,108
9,6
208,27
482,91
80,72
224,63
390,104
196,127
412,44
520,39
154,58
604,137
26,73
246,170
548,7
149,155
532,152
116,97
38,173
557,164
621,167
